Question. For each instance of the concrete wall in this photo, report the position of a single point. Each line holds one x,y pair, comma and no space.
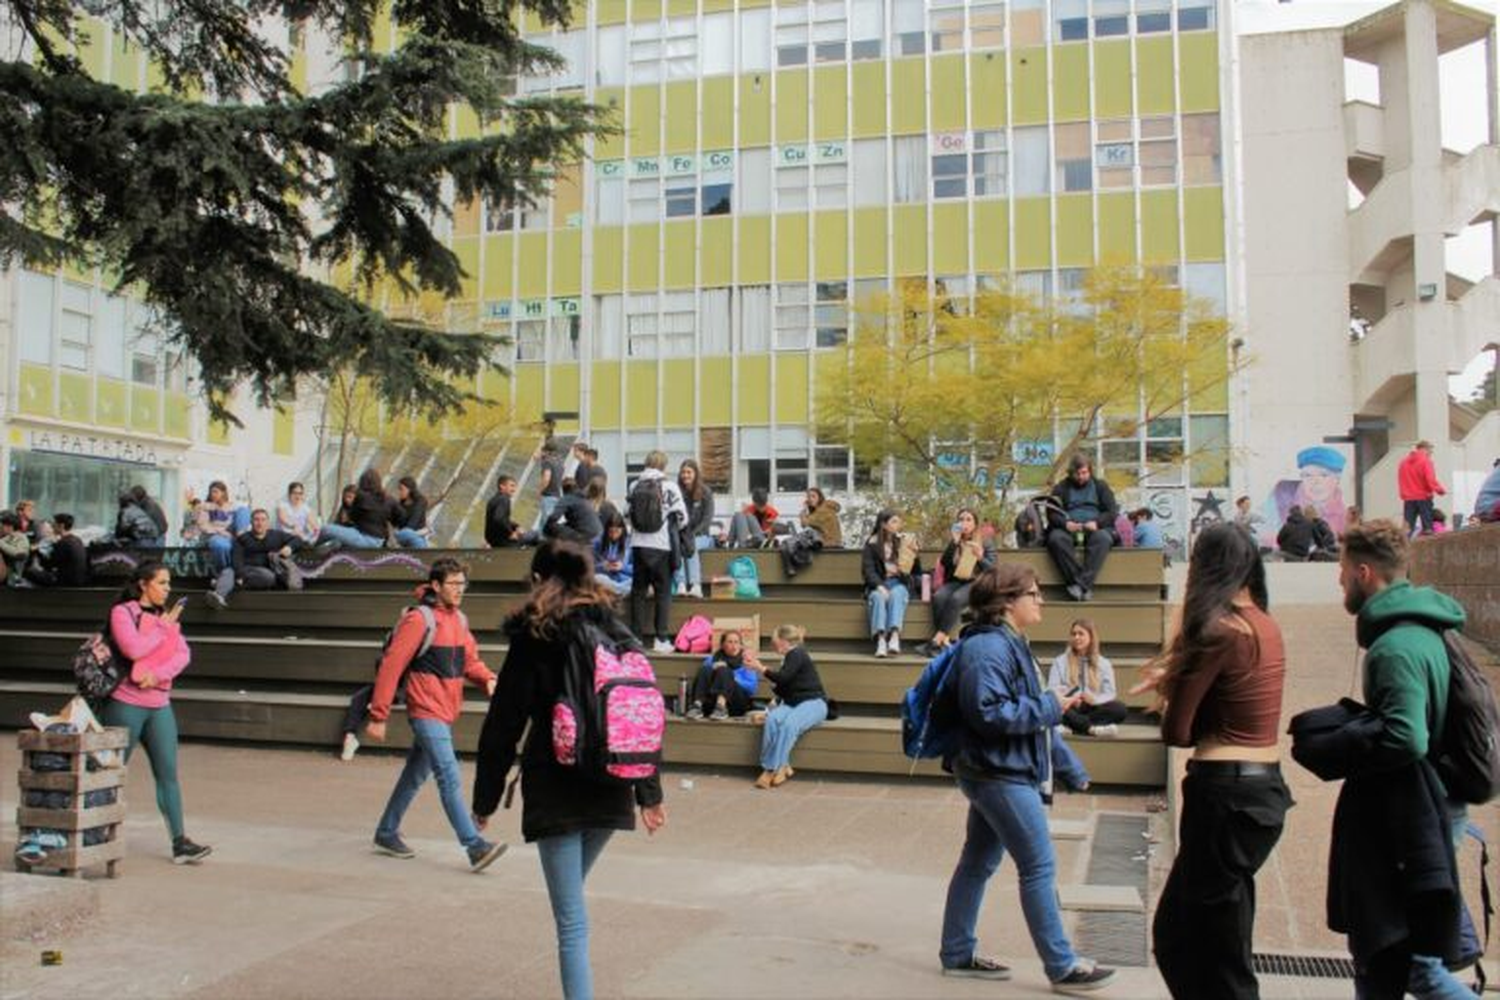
1301,384
1466,565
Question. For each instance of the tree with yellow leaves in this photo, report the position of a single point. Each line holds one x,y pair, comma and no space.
930,376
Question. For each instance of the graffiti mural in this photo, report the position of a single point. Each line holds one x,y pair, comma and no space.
1319,483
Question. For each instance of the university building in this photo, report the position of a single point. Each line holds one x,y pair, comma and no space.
777,164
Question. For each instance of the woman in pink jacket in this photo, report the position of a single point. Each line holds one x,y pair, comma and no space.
146,633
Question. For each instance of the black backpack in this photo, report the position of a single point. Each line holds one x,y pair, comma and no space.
1467,757
646,506
99,666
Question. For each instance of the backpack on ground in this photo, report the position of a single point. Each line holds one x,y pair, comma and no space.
647,506
1468,757
609,719
746,578
695,636
98,665
929,716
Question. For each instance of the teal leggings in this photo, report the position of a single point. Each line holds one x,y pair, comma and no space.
156,730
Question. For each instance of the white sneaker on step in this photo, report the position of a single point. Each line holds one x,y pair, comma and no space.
351,747
661,646
893,645
1105,732
880,647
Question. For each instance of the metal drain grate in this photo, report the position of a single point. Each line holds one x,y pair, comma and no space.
1117,858
1304,966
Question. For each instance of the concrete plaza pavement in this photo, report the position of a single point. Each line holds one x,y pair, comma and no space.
824,888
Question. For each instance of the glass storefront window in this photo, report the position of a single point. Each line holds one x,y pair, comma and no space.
87,488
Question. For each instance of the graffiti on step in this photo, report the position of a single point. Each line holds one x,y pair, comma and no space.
197,562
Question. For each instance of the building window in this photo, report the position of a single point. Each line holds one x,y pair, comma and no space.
534,216
1111,17
641,326
681,48
678,324
716,200
718,44
682,199
866,29
793,317
910,173
1028,22
715,308
1031,173
755,319
564,335
531,340
1072,19
571,45
832,313
1114,154
1201,158
144,344
645,198
1036,284
609,200
791,473
109,337
755,40
946,22
988,163
868,160
1158,151
987,26
755,181
609,68
1153,16
832,468
831,185
35,319
75,326
791,35
950,175
608,325
1195,15
908,32
791,189
1075,165
499,216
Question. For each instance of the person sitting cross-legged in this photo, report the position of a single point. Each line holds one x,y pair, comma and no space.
613,565
1083,668
1085,517
720,689
260,560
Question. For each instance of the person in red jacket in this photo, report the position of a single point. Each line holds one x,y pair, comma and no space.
1418,483
434,698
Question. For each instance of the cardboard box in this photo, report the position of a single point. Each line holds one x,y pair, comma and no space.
747,625
721,588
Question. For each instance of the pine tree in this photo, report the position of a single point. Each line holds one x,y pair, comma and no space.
220,196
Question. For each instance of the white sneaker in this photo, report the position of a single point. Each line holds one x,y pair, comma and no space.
893,646
696,590
1105,731
662,646
351,747
880,648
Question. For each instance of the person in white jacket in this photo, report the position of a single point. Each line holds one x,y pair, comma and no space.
656,514
1082,666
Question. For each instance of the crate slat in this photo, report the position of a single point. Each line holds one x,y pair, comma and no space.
70,819
70,781
113,738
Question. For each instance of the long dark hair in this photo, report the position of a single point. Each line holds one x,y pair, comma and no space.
879,535
369,482
1225,561
139,577
696,493
413,495
562,575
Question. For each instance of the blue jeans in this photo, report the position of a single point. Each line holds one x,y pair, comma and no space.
887,614
407,538
691,570
431,753
548,504
1005,814
220,552
1428,978
785,725
566,861
345,535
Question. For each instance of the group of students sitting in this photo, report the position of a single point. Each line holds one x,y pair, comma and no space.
41,553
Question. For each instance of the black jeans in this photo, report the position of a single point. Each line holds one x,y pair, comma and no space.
1206,914
948,603
713,683
653,570
1413,511
1096,546
1105,713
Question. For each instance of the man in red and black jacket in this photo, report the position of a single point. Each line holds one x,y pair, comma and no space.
435,670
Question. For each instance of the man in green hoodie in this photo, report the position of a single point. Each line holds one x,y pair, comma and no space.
1406,685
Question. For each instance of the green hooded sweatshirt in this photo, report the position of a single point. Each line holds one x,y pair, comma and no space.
1406,667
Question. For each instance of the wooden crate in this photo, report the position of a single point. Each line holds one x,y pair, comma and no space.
76,782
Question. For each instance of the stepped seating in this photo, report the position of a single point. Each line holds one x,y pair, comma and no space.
448,460
279,666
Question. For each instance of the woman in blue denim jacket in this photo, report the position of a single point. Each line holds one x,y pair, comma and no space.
1003,767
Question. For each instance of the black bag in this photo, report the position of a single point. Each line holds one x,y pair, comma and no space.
646,506
1467,758
98,666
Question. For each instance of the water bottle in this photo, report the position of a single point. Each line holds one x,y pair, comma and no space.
926,587
682,696
1078,538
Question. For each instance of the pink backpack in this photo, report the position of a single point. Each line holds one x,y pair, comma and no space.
610,718
695,636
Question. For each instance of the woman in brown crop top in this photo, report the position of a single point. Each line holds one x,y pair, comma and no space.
1220,680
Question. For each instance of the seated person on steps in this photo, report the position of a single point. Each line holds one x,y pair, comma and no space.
820,530
966,556
1085,517
1082,666
260,560
801,704
751,527
501,530
719,692
573,518
888,563
613,566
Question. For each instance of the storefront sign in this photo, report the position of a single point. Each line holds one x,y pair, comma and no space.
92,446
